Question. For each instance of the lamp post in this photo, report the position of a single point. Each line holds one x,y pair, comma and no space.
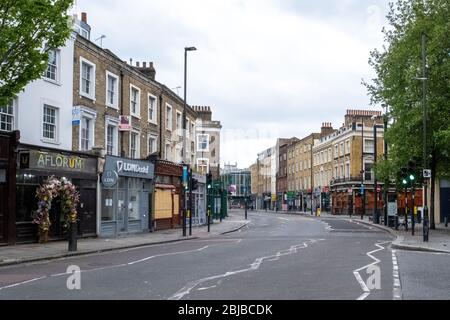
376,218
386,183
425,153
185,105
363,193
184,158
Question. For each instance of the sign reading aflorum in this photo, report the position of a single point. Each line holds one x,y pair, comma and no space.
34,159
119,167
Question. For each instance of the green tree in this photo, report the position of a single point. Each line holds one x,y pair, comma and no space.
398,67
28,30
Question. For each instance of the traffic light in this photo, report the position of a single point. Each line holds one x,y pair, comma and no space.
194,184
404,175
412,170
209,181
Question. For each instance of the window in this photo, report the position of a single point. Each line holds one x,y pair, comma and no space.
347,169
134,145
342,148
85,134
203,142
329,155
112,90
52,66
336,173
87,79
169,117
49,123
152,109
342,171
203,166
152,141
336,151
368,168
179,123
112,137
193,129
7,117
135,101
167,151
347,146
369,146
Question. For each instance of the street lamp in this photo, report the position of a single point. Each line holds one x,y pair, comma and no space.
184,159
375,182
185,105
386,182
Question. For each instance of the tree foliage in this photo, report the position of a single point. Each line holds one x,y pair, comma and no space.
28,30
397,67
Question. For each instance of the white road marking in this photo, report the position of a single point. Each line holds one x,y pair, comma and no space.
21,283
206,288
254,266
114,266
167,254
358,276
397,294
284,219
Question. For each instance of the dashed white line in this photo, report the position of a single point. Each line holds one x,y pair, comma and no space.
254,266
358,277
397,294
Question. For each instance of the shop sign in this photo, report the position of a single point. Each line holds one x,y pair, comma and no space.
129,168
55,161
124,123
110,178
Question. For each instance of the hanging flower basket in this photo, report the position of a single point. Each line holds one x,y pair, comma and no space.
45,194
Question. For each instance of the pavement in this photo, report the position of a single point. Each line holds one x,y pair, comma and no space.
28,253
439,239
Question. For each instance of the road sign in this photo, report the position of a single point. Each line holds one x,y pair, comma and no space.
76,116
362,189
427,173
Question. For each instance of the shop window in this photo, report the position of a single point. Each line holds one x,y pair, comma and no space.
108,205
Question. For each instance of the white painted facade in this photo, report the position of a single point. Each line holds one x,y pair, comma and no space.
44,95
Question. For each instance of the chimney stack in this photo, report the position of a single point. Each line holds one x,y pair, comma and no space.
84,17
137,64
144,64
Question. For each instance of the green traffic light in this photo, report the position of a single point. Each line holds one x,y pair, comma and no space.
404,181
411,177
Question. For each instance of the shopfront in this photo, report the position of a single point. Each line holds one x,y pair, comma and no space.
35,166
127,186
8,143
199,201
168,195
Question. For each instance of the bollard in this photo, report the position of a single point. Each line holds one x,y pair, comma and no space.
446,222
73,237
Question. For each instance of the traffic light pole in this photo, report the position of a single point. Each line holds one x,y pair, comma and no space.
190,207
245,203
413,222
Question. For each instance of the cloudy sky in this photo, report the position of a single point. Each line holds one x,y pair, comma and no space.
269,68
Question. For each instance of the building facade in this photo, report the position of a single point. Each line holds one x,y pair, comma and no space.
238,183
208,134
346,178
300,159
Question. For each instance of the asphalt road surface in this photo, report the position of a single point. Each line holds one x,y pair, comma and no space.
276,257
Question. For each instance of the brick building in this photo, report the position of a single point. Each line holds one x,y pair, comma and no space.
300,173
